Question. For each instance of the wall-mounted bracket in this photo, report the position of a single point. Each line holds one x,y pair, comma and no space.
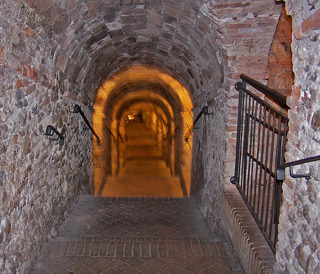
51,131
205,111
76,109
307,176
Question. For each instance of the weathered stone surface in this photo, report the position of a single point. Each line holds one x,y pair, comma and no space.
36,190
54,54
301,200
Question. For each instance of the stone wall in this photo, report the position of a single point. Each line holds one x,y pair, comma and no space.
246,31
57,53
213,153
299,229
39,179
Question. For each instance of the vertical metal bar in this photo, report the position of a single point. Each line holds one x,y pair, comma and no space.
245,153
254,159
270,184
266,165
274,191
256,201
262,171
239,133
283,138
245,140
249,153
241,140
275,202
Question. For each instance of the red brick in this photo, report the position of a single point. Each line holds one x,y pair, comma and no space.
18,84
28,31
42,5
30,89
32,73
30,2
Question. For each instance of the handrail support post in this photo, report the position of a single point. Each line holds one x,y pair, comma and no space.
50,131
307,176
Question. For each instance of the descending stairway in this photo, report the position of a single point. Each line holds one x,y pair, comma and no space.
145,173
136,235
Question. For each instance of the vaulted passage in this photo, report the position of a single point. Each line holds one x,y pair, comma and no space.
142,116
144,172
140,72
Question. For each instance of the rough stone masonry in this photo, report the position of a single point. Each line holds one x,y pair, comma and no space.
56,53
299,229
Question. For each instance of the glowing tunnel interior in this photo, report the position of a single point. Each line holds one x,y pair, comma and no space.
142,116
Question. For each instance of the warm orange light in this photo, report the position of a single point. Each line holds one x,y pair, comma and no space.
132,75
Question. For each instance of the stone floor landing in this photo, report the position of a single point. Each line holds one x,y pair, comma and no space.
136,235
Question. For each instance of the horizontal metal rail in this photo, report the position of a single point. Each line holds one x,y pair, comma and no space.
307,176
260,164
77,109
278,97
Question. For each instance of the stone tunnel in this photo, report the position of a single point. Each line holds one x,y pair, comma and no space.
160,62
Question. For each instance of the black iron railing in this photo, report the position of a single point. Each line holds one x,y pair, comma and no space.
261,138
113,137
77,109
204,111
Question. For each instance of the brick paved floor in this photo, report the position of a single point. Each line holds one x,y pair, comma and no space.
136,235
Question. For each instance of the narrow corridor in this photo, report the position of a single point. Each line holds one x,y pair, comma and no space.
136,235
145,173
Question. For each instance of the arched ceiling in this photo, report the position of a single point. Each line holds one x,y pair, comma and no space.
142,97
122,91
201,43
145,106
92,39
140,84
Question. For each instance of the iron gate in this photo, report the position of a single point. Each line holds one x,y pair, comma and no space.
261,137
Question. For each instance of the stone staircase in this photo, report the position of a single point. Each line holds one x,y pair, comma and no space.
136,235
133,234
145,173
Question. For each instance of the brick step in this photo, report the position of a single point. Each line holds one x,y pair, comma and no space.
138,248
145,162
136,235
146,141
148,185
145,171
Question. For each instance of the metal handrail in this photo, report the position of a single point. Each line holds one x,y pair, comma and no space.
174,134
278,97
77,109
307,176
204,111
120,136
113,137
